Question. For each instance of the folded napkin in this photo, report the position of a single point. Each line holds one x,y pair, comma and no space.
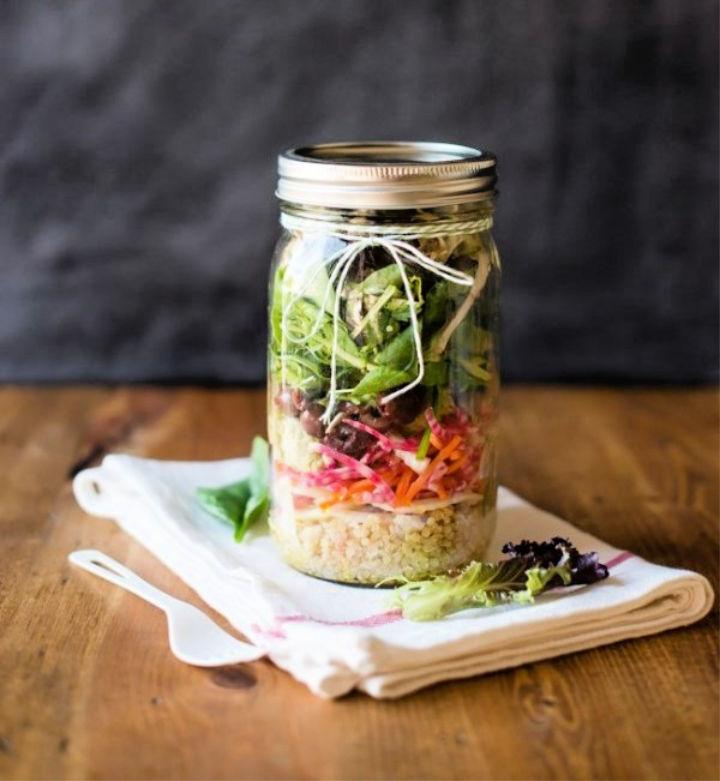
335,638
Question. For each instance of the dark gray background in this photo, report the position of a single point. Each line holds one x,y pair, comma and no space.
137,164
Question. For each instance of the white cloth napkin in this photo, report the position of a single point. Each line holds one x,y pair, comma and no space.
335,638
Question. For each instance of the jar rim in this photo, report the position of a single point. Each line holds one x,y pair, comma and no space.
385,174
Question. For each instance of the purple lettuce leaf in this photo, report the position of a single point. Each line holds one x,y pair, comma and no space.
585,568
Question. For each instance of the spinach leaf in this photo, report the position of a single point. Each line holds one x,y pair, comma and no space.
227,503
259,483
399,309
470,340
436,304
380,379
436,373
466,374
246,502
381,279
395,364
399,352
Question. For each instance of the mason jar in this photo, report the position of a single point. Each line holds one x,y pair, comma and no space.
383,360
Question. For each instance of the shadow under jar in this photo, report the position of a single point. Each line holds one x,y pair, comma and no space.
383,360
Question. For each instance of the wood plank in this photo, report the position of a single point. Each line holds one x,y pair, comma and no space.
88,688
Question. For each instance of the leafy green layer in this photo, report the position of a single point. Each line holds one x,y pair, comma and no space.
376,349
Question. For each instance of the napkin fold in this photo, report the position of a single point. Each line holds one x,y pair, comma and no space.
335,638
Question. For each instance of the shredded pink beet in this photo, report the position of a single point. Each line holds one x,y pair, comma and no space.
321,477
437,475
435,427
457,423
362,469
469,471
338,472
439,471
410,445
328,479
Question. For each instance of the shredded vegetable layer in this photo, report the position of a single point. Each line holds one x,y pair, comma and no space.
393,473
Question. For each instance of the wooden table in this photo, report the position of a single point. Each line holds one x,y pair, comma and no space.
88,688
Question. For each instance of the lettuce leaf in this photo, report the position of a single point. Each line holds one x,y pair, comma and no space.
301,320
530,569
480,584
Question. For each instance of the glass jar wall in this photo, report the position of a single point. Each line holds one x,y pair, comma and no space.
383,384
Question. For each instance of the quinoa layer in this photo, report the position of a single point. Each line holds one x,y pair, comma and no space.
368,547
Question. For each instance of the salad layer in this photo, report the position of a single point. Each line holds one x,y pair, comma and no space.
382,406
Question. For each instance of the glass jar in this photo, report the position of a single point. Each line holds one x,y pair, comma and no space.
383,360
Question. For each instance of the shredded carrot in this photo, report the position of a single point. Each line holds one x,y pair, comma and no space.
390,476
426,474
360,486
334,499
440,489
435,441
459,464
403,486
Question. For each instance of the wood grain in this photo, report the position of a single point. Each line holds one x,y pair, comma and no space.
88,688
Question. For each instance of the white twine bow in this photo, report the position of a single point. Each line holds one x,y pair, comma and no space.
401,252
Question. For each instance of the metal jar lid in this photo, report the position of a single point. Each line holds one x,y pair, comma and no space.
385,175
